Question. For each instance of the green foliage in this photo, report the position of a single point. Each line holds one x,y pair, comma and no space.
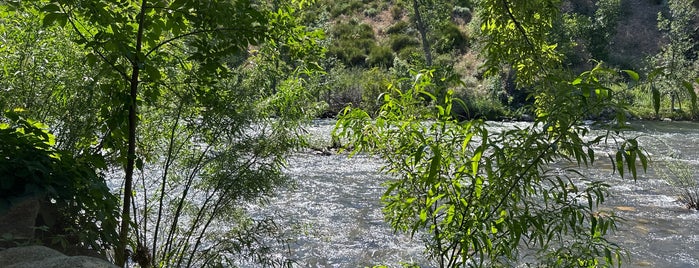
354,87
34,76
478,106
215,74
371,12
31,167
450,38
680,175
525,28
399,42
675,67
400,27
606,17
351,43
380,56
396,12
479,196
345,8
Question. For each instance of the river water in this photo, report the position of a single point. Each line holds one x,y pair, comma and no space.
335,214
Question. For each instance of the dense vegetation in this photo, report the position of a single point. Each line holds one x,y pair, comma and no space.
206,99
657,39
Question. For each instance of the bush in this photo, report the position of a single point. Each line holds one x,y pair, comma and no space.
396,12
30,167
354,87
681,176
380,56
400,27
462,12
352,43
413,55
345,8
371,12
374,84
478,106
451,38
401,41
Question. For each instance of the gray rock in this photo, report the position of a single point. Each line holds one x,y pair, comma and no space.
40,256
18,222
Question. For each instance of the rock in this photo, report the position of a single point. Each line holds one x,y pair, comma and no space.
527,118
18,222
626,208
40,256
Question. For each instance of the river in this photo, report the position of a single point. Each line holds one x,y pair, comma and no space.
336,213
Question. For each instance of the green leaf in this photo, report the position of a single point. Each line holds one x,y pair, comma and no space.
620,162
139,163
478,186
50,18
51,8
692,94
435,164
632,74
631,162
656,99
644,159
475,161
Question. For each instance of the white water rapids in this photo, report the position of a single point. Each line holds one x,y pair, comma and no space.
336,210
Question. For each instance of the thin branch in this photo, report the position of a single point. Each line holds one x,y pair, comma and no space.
167,41
517,24
84,38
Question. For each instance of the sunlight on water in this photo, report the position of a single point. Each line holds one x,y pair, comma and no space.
336,216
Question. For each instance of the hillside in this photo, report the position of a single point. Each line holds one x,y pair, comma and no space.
383,34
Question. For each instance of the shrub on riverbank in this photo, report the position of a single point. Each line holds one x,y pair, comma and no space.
681,176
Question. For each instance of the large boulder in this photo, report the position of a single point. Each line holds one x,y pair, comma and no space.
17,223
40,256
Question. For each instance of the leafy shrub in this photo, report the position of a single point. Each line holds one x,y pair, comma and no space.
478,106
396,12
401,41
348,54
413,55
681,176
467,188
352,42
380,56
451,38
371,12
374,83
345,8
30,167
343,89
354,87
462,12
400,27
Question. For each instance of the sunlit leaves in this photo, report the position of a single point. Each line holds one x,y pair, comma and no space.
480,195
524,26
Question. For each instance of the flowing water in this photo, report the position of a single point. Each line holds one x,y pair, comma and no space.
335,209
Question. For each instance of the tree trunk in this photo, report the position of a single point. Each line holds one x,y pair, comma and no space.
421,27
120,254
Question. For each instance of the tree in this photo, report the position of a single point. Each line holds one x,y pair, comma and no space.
497,199
175,63
79,210
677,61
422,29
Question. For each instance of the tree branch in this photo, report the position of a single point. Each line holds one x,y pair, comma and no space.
167,41
84,38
